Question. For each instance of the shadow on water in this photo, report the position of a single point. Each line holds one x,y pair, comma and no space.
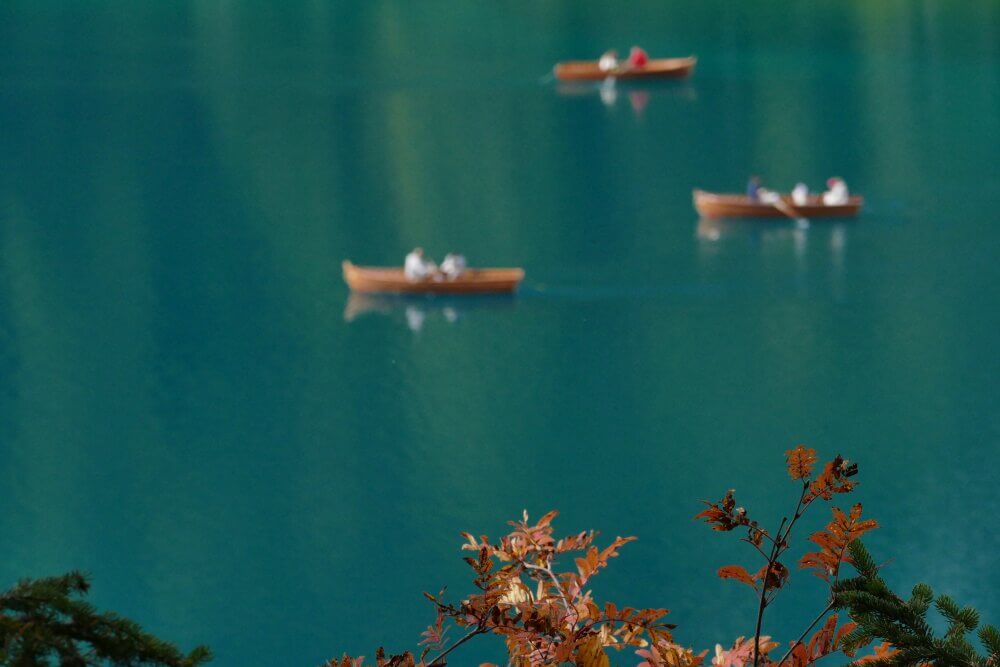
415,309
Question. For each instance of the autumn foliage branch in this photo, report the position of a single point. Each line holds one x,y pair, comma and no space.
834,478
547,615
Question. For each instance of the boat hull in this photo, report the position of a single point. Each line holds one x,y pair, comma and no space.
391,280
662,68
712,205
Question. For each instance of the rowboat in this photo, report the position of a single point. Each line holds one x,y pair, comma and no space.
663,68
713,205
391,280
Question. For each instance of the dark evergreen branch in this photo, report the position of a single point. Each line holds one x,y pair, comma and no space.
883,615
47,620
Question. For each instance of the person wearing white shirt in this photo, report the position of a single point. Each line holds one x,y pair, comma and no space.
453,266
416,268
765,196
837,194
800,194
609,61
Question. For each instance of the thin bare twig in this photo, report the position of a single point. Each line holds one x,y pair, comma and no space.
558,585
775,550
798,511
791,647
759,550
478,630
780,546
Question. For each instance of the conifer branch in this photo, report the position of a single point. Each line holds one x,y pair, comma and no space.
902,624
47,619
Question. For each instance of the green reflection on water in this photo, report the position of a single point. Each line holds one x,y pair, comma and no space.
187,413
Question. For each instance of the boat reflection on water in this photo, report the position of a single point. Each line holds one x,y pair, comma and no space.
610,91
770,231
416,309
775,236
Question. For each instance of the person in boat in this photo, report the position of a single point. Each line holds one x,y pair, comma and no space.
453,266
608,61
800,194
416,268
765,196
753,188
637,57
837,194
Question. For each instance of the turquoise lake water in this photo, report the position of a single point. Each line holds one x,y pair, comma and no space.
187,413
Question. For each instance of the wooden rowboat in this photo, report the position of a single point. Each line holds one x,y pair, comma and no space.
712,205
663,68
391,280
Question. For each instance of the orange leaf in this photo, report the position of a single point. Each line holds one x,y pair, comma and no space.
775,576
820,644
882,654
799,656
724,515
737,572
842,632
591,654
547,519
833,542
833,479
800,462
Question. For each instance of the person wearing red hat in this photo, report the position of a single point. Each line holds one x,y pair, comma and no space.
637,57
836,194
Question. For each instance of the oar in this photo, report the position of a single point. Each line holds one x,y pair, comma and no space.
784,208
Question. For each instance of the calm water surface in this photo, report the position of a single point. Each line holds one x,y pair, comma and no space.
193,410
